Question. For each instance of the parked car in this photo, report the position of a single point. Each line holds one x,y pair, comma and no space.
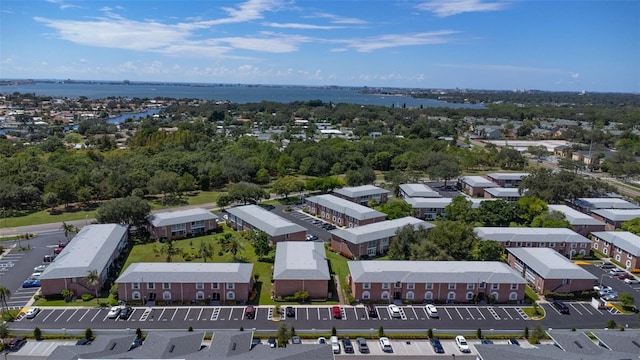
114,312
16,343
347,346
432,311
125,312
625,275
35,275
436,345
371,309
362,345
31,283
335,345
321,340
601,287
272,342
611,297
487,341
39,268
250,312
631,281
49,258
337,312
462,344
561,306
32,312
290,312
513,341
84,341
311,237
604,292
606,265
57,250
616,271
385,344
394,311
295,339
135,343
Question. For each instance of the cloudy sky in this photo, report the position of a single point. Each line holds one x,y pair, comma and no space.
588,45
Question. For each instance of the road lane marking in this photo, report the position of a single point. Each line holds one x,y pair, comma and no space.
469,311
200,313
481,314
575,308
449,315
494,313
216,313
85,314
509,315
69,319
186,315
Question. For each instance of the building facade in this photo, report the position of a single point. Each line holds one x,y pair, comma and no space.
475,185
417,191
341,212
277,228
622,246
506,180
363,194
506,194
301,266
565,241
181,224
223,283
435,281
581,223
614,218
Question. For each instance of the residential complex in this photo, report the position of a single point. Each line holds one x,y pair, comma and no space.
565,241
435,281
582,223
433,208
363,194
301,266
342,212
181,224
507,180
277,228
614,218
417,191
475,185
622,246
546,270
500,193
587,205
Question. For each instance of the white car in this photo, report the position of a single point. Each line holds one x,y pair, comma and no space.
385,344
39,268
616,271
631,281
335,345
32,312
114,312
394,311
432,311
36,275
601,287
462,344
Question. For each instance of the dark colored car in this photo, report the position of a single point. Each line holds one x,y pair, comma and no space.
125,312
250,312
290,312
136,342
487,341
607,265
561,306
347,346
625,276
371,309
16,343
57,250
514,341
437,346
49,258
272,342
84,341
362,346
31,283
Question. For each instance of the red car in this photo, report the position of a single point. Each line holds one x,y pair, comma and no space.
337,313
625,276
57,250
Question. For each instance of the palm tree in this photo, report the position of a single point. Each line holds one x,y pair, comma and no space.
206,250
68,230
93,279
233,246
169,250
5,294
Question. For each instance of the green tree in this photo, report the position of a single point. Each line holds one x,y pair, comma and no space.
205,251
283,334
88,334
396,208
37,333
131,210
246,192
487,250
632,226
261,243
443,166
406,237
554,219
287,185
50,199
510,158
68,230
224,200
627,300
164,182
530,207
497,213
233,246
93,279
5,295
456,237
460,209
169,249
262,176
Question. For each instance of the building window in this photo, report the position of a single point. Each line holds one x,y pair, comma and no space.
451,295
199,285
411,286
595,246
507,243
452,286
366,285
410,295
166,286
366,295
385,295
151,285
428,286
551,244
605,251
618,257
385,285
483,285
495,286
398,285
469,295
231,295
628,264
542,244
428,295
231,286
166,295
471,286
214,286
514,286
583,245
135,286
136,295
200,295
513,296
495,295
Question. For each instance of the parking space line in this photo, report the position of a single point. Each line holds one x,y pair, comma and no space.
586,308
494,313
506,312
481,314
51,313
307,313
216,313
59,316
186,315
458,311
85,314
471,315
73,313
449,315
414,314
200,313
175,312
575,308
161,314
98,313
522,314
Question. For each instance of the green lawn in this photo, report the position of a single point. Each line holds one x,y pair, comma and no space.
338,266
44,217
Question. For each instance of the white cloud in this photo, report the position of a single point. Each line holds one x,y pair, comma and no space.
7,60
336,19
63,4
574,75
301,26
444,8
396,40
83,61
504,68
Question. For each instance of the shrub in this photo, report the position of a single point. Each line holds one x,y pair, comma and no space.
37,333
380,331
87,297
88,334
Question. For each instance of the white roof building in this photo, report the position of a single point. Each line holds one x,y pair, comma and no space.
418,190
297,260
380,230
265,220
181,217
575,217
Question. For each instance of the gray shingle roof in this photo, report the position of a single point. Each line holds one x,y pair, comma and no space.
625,240
618,214
440,203
379,230
167,345
90,249
620,340
297,260
419,190
186,272
102,346
181,217
550,264
574,342
363,190
433,271
605,203
504,234
575,217
347,207
504,192
265,220
478,181
507,176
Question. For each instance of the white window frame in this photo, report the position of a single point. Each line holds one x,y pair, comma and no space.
451,295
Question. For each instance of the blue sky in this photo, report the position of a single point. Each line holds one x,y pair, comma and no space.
548,45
